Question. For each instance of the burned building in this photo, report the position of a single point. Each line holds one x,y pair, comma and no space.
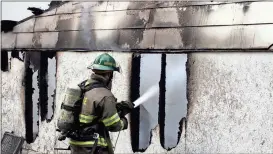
212,62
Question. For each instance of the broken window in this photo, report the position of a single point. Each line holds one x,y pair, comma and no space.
167,107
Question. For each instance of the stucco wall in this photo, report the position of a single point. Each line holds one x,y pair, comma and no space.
12,99
230,102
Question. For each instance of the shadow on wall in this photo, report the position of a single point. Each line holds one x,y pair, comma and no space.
168,107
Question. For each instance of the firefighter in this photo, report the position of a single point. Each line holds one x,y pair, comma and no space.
99,114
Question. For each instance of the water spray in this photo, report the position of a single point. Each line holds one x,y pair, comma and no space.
153,90
173,78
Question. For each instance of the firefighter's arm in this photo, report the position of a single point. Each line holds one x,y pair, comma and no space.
110,116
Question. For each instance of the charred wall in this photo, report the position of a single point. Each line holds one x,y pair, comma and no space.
229,95
39,87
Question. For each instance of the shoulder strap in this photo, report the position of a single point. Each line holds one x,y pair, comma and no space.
85,88
92,86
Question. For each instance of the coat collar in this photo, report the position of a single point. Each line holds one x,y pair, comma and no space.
95,78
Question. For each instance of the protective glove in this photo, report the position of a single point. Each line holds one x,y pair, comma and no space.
124,107
125,122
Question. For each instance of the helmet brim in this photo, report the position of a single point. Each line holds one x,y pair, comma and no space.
103,68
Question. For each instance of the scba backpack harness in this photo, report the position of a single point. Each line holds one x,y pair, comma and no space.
68,122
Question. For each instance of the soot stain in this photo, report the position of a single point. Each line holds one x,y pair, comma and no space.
131,37
162,98
65,24
37,40
135,94
186,18
43,93
7,56
188,69
63,42
180,130
37,91
18,55
246,6
28,101
4,61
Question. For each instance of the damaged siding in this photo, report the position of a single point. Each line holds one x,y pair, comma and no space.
124,26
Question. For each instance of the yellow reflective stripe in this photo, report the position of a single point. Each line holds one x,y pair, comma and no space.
89,117
115,116
86,119
87,82
101,142
84,100
113,122
110,121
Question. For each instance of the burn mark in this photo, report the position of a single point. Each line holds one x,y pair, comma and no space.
28,101
18,55
40,85
37,40
4,61
43,86
67,24
6,57
162,91
141,5
208,9
135,83
134,19
189,109
192,16
184,17
246,6
180,129
132,38
77,39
